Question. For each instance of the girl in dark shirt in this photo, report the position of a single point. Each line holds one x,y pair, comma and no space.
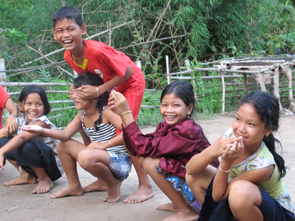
164,153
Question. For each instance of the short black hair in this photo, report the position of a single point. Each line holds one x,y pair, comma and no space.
68,12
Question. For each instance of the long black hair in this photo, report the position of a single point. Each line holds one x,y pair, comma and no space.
267,108
93,80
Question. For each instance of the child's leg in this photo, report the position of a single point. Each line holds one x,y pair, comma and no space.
244,199
144,191
183,212
68,154
199,182
25,178
96,162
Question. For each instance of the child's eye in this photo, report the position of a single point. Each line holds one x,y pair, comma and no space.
252,125
164,105
58,31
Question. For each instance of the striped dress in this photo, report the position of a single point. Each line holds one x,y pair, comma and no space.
104,133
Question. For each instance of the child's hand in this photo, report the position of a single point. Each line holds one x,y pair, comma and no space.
118,103
11,126
87,92
222,143
32,128
233,151
96,145
73,93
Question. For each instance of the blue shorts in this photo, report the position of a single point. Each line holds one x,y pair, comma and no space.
120,165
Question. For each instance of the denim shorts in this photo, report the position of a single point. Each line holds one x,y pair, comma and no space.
120,165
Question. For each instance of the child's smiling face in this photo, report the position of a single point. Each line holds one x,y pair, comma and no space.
173,109
248,125
33,107
68,33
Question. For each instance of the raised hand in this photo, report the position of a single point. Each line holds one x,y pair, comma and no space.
118,103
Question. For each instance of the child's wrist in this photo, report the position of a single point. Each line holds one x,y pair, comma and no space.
97,91
126,112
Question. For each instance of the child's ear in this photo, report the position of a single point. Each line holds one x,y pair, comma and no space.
53,34
20,106
268,131
83,27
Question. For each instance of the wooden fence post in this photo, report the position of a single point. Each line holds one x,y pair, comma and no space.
167,69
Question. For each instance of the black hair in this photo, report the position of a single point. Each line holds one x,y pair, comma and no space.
30,89
68,12
182,89
267,108
93,80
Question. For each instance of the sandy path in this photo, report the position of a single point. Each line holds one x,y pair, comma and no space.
17,202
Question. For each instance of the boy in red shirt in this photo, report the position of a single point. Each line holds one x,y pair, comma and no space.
6,102
114,67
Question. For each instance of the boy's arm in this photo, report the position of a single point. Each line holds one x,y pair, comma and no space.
90,92
11,124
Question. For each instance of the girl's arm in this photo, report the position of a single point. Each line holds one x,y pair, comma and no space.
221,186
200,161
62,135
18,140
90,92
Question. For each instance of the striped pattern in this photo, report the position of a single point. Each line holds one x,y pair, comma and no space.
104,133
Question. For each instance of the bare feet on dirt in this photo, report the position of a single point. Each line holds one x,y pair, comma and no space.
183,216
68,191
43,186
143,193
167,207
98,185
23,179
113,193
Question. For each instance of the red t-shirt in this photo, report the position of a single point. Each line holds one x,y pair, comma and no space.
107,63
3,98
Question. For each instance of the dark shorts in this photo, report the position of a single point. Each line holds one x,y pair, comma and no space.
220,211
34,154
183,189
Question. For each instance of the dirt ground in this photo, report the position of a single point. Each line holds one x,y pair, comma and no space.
18,203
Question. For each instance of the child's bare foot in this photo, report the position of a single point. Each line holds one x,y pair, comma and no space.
68,191
167,207
23,179
98,185
43,186
113,193
143,193
183,216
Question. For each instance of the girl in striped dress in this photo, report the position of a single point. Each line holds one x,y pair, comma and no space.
102,154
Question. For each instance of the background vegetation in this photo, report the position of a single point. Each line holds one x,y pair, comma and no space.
199,30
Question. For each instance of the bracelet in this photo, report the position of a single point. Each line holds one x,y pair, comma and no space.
97,91
111,143
225,171
126,112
